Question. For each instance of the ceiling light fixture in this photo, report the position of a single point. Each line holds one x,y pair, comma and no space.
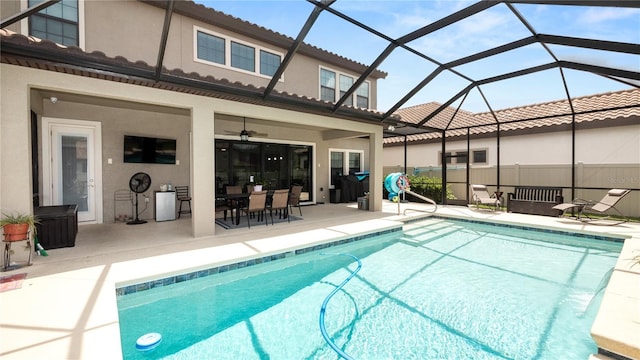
244,134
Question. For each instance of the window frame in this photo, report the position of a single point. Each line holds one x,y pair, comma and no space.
25,25
486,156
338,92
453,160
346,162
228,40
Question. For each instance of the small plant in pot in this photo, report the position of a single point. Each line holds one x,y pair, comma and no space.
16,226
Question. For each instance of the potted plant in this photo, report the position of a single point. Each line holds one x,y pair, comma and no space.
16,226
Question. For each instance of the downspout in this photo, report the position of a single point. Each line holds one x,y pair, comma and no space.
444,170
405,155
468,162
405,166
573,154
498,157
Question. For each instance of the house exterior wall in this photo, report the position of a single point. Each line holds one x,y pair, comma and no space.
19,83
117,122
190,118
610,145
138,34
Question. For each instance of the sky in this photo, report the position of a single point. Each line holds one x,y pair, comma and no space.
493,27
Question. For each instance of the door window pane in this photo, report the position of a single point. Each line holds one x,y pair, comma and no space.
301,169
222,166
355,164
337,166
276,167
245,163
74,171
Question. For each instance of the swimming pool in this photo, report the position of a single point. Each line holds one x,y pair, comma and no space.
440,289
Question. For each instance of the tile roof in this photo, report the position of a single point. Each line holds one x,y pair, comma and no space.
29,51
594,109
219,19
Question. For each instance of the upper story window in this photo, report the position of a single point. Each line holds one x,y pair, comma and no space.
345,83
243,57
220,50
332,90
362,96
269,63
327,85
211,48
58,22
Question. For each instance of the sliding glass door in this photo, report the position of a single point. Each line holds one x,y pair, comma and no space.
275,166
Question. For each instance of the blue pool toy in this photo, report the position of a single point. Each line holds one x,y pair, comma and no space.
148,342
396,183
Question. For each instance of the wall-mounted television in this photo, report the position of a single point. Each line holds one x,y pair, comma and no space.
148,150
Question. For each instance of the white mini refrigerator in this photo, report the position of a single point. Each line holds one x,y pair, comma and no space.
165,205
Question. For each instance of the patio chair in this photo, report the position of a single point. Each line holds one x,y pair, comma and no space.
280,201
257,204
223,205
182,194
480,195
603,207
294,197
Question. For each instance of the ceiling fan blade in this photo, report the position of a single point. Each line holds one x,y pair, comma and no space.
255,133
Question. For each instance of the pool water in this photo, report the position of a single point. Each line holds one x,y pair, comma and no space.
440,289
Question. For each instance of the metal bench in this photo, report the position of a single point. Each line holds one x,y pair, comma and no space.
536,200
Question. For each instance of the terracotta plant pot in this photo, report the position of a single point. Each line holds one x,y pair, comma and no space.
15,232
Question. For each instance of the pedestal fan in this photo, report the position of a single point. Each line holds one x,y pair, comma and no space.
139,183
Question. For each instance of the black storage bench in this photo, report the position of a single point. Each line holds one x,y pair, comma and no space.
536,200
58,226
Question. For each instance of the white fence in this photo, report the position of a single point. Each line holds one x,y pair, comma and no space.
592,180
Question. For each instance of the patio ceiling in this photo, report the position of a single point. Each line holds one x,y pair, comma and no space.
555,60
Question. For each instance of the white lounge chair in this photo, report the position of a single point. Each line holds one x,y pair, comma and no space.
602,207
480,195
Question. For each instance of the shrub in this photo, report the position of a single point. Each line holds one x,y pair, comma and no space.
430,187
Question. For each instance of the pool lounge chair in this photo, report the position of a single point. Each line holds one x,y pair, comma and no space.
605,207
480,195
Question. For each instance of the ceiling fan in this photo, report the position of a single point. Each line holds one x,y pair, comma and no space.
245,134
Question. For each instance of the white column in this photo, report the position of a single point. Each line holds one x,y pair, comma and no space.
15,149
202,170
375,173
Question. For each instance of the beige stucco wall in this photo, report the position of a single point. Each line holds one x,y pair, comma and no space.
138,35
17,83
610,145
117,122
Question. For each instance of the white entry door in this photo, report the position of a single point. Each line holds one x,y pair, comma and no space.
73,174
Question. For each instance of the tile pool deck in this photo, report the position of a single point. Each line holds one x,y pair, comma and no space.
66,307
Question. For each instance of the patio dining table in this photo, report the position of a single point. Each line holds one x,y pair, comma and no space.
241,200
